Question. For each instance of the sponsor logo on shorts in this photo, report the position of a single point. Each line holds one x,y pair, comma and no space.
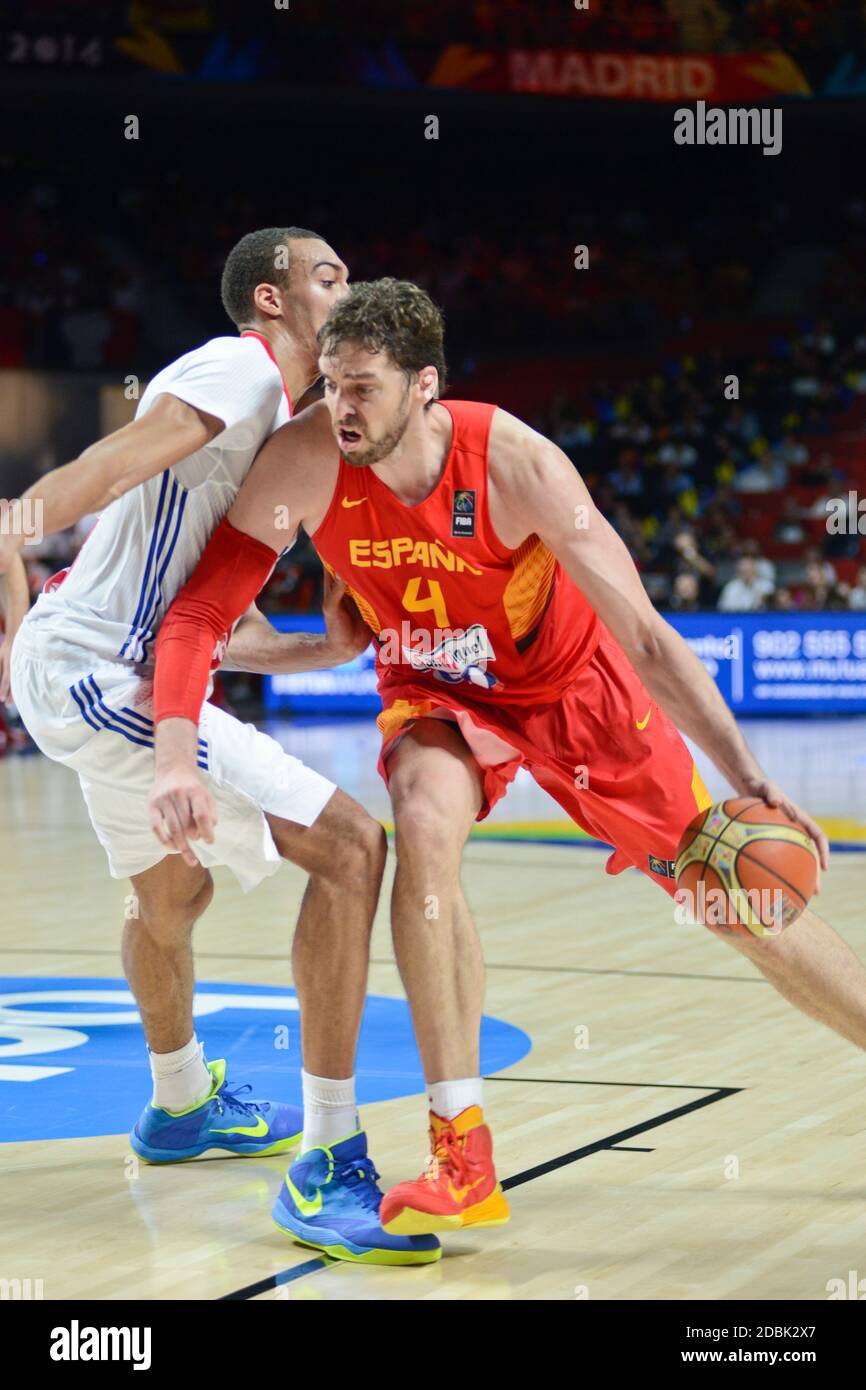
463,513
665,867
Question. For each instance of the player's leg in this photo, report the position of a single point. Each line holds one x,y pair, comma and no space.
156,949
436,794
436,790
343,852
813,968
192,1110
271,806
299,815
330,1198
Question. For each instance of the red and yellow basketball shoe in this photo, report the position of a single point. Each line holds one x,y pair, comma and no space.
457,1188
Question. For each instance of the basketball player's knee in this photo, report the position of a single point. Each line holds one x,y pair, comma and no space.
165,910
423,822
201,899
359,855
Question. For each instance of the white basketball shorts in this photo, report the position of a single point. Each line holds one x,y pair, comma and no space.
97,718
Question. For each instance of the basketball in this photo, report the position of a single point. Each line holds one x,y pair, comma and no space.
746,868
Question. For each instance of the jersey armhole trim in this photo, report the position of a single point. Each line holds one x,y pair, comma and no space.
338,483
496,542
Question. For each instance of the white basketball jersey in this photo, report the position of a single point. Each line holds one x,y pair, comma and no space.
146,544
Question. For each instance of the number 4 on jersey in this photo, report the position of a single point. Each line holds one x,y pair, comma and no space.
434,600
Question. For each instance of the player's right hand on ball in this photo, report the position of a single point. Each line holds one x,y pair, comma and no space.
182,809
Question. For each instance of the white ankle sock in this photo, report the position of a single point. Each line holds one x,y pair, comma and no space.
448,1098
330,1110
180,1079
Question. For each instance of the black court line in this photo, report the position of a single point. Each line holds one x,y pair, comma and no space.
631,1149
588,1081
275,1281
613,1141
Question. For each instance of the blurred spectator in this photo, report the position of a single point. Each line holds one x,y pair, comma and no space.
783,600
857,595
789,529
685,594
818,590
747,592
812,556
751,549
768,474
791,451
627,481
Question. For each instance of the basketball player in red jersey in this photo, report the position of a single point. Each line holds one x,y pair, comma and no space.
512,630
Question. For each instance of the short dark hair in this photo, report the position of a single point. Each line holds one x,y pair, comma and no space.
393,316
253,262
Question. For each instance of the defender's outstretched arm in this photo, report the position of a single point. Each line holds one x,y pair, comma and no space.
169,431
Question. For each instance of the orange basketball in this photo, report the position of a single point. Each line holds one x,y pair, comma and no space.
744,867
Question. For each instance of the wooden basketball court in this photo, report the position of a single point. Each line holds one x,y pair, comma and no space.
676,1131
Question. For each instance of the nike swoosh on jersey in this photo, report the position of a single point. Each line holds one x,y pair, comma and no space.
642,723
254,1131
347,503
307,1206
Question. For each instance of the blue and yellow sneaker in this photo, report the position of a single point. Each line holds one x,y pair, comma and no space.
330,1200
221,1121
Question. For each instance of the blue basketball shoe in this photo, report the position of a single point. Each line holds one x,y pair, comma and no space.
221,1121
330,1200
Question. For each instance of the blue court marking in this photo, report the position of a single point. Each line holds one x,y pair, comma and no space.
73,1062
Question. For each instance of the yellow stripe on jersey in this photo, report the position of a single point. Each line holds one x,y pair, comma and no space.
699,791
528,589
366,610
368,613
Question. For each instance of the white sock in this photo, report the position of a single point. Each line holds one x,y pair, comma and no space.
449,1098
180,1079
330,1110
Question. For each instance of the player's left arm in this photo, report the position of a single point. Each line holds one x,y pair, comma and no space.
537,488
15,601
256,645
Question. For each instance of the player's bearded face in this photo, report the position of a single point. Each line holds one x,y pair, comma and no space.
367,435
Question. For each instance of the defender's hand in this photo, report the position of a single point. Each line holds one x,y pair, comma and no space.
182,808
347,633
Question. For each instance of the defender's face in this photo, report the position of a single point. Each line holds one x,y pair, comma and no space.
318,280
368,400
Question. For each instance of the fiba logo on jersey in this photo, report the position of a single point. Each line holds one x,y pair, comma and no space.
463,513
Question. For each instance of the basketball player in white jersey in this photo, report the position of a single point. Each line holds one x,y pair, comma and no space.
82,667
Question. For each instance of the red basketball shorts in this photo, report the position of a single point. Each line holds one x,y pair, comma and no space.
604,751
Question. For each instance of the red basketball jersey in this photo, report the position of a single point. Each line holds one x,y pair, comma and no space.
444,598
